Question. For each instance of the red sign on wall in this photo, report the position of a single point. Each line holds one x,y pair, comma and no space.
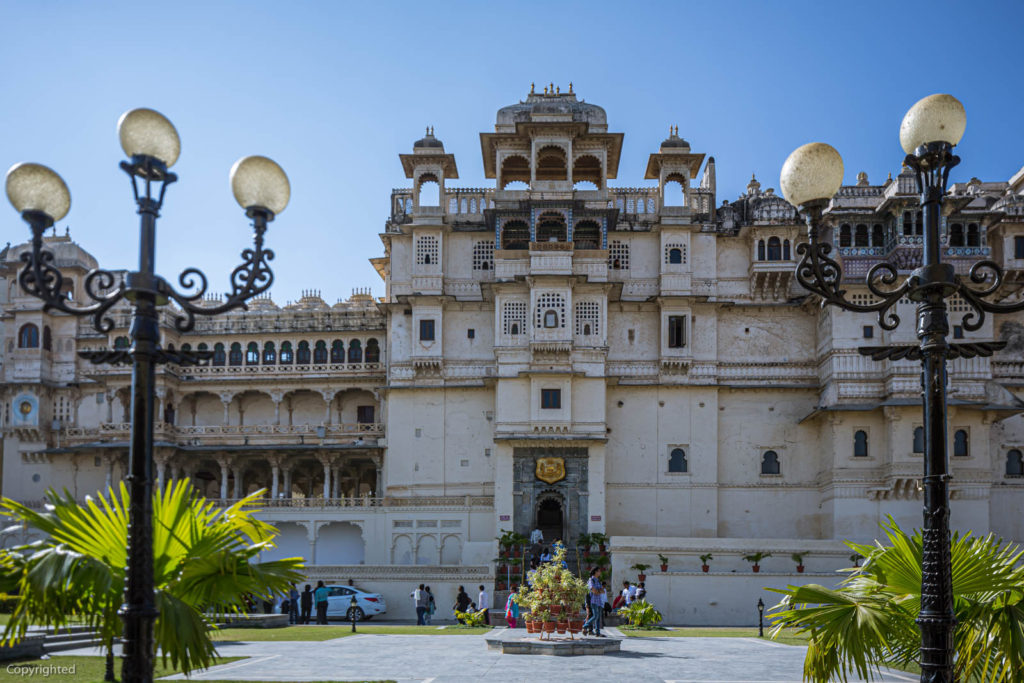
595,518
504,518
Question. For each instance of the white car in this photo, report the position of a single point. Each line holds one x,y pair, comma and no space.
339,603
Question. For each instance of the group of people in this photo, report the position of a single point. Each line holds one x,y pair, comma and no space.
631,592
426,605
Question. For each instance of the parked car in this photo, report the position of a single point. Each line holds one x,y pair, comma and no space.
339,603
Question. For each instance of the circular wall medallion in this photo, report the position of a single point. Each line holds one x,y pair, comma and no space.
25,407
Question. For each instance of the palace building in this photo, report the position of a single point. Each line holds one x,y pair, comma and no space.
555,352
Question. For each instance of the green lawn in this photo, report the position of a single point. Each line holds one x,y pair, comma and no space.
787,637
315,633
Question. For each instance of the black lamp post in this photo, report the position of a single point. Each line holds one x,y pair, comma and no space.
760,618
40,195
352,613
810,178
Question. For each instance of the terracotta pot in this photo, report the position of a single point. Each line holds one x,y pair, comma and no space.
503,552
664,567
642,577
562,626
705,568
601,548
756,568
549,626
555,609
575,625
515,552
529,626
586,553
799,569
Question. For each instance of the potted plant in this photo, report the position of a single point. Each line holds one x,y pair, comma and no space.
640,569
799,559
584,542
704,559
562,623
856,558
575,623
602,542
755,559
664,562
548,621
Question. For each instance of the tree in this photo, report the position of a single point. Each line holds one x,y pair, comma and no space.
204,559
868,622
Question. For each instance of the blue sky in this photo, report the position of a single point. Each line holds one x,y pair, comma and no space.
335,91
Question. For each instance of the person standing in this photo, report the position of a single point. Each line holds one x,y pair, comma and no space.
320,598
306,600
593,586
512,607
483,601
420,599
599,599
293,605
462,602
431,606
620,599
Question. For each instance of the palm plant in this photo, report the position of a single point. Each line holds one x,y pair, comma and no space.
203,558
868,621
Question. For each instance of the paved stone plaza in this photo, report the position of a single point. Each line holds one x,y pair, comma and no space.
461,659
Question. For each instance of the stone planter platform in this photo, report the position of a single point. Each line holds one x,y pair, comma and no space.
516,641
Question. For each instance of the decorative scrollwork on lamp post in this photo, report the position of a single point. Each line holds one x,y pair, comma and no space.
811,176
40,195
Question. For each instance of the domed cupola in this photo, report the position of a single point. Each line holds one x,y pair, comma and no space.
428,141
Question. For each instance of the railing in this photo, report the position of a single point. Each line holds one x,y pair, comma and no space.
367,501
336,368
123,428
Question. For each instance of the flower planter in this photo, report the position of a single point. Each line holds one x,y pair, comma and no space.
642,577
530,627
515,552
549,626
799,569
756,568
575,625
562,626
602,549
664,567
705,568
555,609
586,553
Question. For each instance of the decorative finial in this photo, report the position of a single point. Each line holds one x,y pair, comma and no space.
545,90
427,131
532,89
570,87
552,88
890,175
558,90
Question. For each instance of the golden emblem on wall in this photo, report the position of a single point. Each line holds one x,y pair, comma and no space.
550,470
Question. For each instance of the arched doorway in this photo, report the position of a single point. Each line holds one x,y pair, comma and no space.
551,517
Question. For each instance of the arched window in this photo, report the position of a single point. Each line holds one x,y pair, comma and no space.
302,354
587,169
618,255
677,460
123,343
235,354
337,351
785,250
355,351
429,190
919,439
515,169
770,463
877,235
760,250
860,236
483,255
551,227
961,444
586,235
252,353
956,235
514,329
860,444
973,235
203,347
675,255
918,224
320,352
515,235
47,338
845,235
552,164
586,329
287,357
218,354
28,336
550,318
908,223
674,190
774,249
269,353
1014,463
372,351
186,347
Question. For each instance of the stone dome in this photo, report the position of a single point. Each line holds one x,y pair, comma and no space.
428,141
552,107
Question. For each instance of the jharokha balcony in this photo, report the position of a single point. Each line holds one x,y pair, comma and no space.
360,432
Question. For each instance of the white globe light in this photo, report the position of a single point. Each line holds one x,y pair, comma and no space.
812,171
34,187
259,181
936,118
149,133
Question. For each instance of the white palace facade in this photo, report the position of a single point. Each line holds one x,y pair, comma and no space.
650,344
